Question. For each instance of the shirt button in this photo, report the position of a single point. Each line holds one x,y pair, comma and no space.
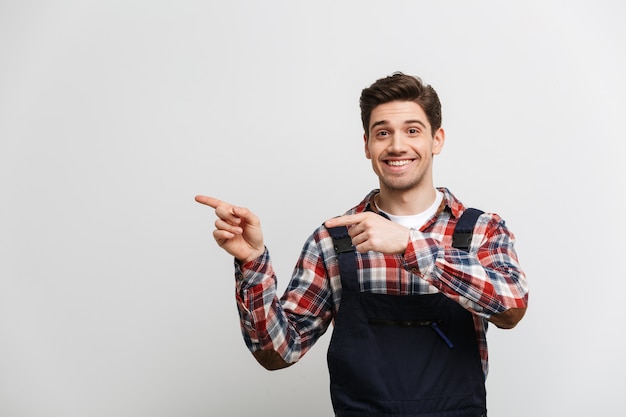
239,276
415,270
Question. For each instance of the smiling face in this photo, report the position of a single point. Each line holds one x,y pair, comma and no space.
401,146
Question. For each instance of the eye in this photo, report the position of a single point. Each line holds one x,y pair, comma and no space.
413,131
382,133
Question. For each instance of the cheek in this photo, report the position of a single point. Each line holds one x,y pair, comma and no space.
424,148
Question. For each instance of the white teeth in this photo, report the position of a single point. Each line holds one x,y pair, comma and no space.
399,163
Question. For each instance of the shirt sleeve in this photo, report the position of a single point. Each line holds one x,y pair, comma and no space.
486,280
291,324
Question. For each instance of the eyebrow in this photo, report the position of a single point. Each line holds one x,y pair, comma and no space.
406,122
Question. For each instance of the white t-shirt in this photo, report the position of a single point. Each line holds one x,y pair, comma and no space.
415,221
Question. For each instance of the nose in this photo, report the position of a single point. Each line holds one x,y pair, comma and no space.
397,144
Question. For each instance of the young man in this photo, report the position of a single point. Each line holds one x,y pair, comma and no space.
409,308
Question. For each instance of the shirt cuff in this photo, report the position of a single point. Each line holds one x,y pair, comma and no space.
421,253
252,272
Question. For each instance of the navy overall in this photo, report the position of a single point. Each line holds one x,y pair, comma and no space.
411,355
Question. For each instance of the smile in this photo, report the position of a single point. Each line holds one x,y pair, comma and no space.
399,163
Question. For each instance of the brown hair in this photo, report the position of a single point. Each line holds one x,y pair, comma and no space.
399,86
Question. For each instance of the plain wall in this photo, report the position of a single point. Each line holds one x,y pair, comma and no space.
116,301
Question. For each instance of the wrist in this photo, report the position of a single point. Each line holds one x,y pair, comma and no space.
251,257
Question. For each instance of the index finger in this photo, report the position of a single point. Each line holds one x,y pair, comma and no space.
345,220
209,201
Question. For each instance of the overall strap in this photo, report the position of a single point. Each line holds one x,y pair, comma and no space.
462,237
346,256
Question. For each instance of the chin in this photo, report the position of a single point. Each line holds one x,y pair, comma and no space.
397,186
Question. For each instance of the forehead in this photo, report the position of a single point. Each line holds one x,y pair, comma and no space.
398,112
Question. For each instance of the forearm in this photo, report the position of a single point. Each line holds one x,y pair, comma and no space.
270,324
487,281
258,305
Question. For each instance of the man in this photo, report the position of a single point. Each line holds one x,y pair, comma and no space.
409,308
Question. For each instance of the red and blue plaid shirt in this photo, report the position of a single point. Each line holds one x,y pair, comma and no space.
486,280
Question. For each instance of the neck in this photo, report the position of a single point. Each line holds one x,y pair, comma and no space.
405,203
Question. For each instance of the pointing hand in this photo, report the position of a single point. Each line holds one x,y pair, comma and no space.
372,232
237,229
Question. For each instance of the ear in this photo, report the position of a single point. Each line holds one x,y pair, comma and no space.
438,140
367,151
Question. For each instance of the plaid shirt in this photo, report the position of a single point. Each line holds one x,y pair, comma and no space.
486,280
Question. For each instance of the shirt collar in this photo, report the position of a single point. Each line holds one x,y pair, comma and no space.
449,202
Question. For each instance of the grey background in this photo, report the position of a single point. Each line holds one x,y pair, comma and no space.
114,298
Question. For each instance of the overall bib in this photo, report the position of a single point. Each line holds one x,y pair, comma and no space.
410,355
